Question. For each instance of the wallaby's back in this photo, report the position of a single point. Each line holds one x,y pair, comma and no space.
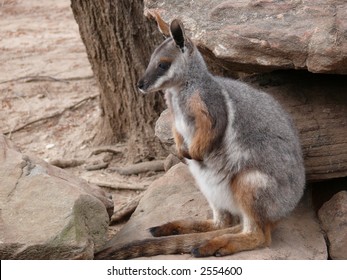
265,132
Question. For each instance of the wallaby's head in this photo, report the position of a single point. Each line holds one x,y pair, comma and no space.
169,61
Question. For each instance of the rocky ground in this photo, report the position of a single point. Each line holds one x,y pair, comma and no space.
49,97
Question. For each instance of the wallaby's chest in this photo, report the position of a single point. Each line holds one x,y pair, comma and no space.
215,187
183,124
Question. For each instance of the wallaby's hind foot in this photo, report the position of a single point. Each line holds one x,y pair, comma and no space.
228,244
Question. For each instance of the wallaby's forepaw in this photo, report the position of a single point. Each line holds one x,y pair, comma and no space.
188,155
197,158
164,230
185,154
196,154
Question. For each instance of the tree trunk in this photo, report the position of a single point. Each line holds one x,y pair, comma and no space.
119,41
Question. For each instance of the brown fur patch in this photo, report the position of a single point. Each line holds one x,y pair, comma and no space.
203,137
245,195
166,59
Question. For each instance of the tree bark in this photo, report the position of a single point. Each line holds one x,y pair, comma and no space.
119,41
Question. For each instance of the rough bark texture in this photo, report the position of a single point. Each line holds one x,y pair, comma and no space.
119,42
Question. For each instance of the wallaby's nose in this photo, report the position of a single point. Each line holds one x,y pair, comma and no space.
141,84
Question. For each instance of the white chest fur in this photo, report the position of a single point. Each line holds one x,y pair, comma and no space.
182,127
181,124
216,190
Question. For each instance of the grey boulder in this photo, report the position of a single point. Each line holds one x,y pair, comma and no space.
45,212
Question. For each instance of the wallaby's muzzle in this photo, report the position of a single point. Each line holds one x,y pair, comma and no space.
141,85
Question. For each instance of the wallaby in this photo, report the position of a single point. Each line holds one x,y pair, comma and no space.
240,146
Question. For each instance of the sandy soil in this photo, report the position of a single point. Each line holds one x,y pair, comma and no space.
48,96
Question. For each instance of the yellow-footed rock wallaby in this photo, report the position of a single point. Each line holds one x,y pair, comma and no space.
240,146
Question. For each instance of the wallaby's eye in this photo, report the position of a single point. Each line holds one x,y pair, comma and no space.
164,65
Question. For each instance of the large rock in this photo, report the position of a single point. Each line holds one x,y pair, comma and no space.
319,109
175,196
46,213
333,217
163,128
263,35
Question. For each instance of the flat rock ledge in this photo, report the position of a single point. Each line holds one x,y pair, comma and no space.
45,212
175,196
265,35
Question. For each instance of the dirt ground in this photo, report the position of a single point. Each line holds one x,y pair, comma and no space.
49,98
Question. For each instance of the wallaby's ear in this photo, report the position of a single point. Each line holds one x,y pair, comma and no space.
177,33
162,25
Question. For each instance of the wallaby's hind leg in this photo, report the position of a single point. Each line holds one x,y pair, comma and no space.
228,244
254,233
221,220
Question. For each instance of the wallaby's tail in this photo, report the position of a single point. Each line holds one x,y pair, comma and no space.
146,248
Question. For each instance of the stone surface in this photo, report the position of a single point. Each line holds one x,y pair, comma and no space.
263,35
45,212
171,161
163,128
175,196
319,110
333,217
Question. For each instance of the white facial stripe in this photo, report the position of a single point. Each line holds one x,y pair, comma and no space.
174,71
159,82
